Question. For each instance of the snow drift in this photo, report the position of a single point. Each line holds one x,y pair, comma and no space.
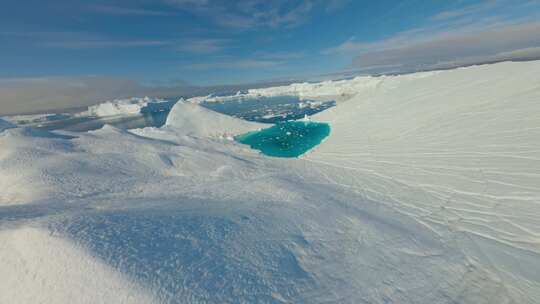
425,192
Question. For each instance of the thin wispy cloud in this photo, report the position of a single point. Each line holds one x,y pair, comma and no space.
235,64
104,43
127,11
280,55
465,11
257,60
445,50
203,45
250,14
336,5
81,40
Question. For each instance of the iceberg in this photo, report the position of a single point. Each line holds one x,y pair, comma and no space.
193,119
426,191
130,106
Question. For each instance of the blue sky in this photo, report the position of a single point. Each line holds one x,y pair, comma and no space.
206,42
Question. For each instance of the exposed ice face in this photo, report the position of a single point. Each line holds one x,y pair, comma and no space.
5,125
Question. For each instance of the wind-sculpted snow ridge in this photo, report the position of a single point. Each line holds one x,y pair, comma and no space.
425,192
129,106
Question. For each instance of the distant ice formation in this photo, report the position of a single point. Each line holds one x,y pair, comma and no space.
129,106
338,90
193,119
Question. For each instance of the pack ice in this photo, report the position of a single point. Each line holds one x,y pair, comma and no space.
426,191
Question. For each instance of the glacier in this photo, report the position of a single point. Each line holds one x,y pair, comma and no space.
426,191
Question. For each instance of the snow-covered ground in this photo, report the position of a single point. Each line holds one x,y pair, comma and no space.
426,191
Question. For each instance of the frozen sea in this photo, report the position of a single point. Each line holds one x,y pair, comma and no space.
259,109
424,191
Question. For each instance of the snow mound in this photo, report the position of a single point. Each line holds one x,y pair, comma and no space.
38,267
5,125
130,106
195,120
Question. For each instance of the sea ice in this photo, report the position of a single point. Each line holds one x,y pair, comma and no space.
426,191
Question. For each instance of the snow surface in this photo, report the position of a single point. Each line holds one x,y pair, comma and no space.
38,267
426,191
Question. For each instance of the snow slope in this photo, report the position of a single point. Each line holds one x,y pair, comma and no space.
426,191
459,153
38,267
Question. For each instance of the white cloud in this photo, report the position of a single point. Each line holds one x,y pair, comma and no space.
448,49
